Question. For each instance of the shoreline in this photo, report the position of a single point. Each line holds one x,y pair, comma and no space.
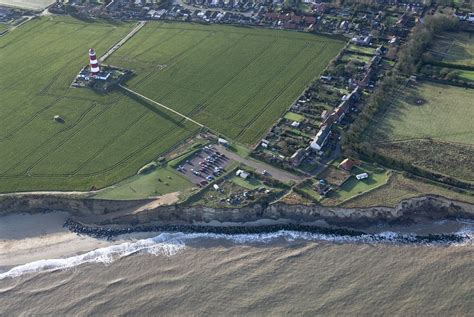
37,227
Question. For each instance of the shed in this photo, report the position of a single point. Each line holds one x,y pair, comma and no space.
362,176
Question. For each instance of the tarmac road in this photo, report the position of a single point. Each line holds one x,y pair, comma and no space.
279,174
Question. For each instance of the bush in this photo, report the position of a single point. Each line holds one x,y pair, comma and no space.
147,168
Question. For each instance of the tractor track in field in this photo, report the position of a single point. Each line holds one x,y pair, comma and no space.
29,120
107,169
72,126
119,44
114,139
174,60
166,40
268,104
265,85
67,139
217,91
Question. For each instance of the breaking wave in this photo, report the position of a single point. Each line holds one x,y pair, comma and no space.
168,244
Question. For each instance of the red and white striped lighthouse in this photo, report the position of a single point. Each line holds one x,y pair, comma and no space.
93,62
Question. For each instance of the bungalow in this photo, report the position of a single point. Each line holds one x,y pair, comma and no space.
310,20
322,187
298,157
348,164
470,18
321,138
242,174
297,19
362,40
295,124
285,17
272,16
381,50
393,41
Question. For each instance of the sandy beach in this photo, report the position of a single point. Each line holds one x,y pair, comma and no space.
26,238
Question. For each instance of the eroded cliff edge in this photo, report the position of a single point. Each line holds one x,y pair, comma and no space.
131,213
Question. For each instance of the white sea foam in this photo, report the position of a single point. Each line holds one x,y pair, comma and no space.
160,245
168,244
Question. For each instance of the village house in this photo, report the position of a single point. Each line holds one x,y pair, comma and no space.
322,187
298,157
362,40
321,138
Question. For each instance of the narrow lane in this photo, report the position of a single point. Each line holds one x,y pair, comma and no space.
279,174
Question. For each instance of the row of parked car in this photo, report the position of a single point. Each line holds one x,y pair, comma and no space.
207,164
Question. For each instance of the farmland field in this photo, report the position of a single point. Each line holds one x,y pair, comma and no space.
104,137
437,133
237,81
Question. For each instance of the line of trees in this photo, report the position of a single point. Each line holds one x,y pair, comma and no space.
410,56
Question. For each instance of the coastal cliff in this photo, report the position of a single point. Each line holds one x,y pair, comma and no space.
106,212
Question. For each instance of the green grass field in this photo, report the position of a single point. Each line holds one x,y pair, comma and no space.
398,188
250,183
437,135
3,27
346,57
294,116
353,188
235,80
104,138
161,181
446,115
454,48
467,75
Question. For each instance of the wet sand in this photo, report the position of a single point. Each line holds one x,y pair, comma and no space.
26,238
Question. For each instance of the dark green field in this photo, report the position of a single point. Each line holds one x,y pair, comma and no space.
238,81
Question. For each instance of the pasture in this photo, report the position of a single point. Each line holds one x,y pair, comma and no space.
436,134
237,81
445,113
104,138
454,48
